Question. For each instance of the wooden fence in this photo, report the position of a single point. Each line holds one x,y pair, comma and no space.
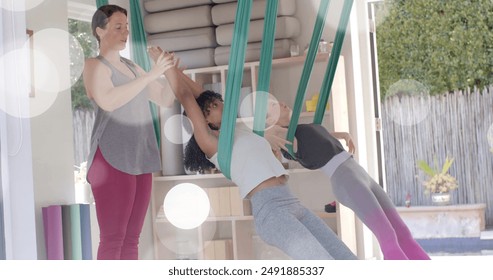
423,128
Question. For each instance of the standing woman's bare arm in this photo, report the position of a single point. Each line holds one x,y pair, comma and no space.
98,84
161,93
159,90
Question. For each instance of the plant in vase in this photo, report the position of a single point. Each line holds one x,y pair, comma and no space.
439,182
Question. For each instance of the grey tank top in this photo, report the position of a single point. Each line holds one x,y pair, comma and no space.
126,135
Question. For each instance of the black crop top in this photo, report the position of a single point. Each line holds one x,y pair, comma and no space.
316,146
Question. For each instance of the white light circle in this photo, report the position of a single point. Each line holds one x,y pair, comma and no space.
186,206
409,102
248,107
64,51
173,129
184,242
29,68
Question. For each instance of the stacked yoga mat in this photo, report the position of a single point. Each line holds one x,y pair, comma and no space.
200,32
67,231
182,27
287,27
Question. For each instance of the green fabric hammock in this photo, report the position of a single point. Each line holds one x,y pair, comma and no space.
265,66
330,72
233,85
307,70
332,65
236,64
235,77
100,3
139,55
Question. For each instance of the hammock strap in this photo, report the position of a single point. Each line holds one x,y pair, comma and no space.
307,69
233,85
332,65
265,67
139,54
100,3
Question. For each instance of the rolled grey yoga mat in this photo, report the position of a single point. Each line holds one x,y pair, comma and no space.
172,141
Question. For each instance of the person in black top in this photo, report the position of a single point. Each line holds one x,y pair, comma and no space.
315,148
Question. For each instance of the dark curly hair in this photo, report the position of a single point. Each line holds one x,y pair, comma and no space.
194,158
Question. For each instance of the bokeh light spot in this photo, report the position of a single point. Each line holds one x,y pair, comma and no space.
409,102
186,206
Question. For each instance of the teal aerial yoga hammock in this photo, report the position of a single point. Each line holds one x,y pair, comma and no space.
235,77
330,72
139,54
233,85
307,70
100,3
236,64
265,66
333,60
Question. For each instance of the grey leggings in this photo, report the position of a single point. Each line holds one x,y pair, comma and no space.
281,221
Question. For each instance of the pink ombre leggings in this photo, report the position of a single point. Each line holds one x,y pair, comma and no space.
354,188
121,206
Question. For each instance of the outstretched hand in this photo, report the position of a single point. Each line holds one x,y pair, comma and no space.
156,51
350,145
163,62
347,137
276,136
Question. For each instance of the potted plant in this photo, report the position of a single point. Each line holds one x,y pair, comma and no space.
439,182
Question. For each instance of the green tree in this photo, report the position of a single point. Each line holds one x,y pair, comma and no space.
81,30
445,45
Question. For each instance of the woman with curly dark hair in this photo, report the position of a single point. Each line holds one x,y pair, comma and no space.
280,220
194,158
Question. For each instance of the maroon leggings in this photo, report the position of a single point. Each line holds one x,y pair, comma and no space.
121,206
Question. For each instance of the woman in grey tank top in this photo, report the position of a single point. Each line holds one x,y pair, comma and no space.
124,149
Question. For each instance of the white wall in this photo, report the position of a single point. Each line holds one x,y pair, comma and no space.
17,196
52,140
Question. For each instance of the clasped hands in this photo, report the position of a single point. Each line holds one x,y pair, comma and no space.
158,56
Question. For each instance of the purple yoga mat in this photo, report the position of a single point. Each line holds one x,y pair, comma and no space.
52,222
